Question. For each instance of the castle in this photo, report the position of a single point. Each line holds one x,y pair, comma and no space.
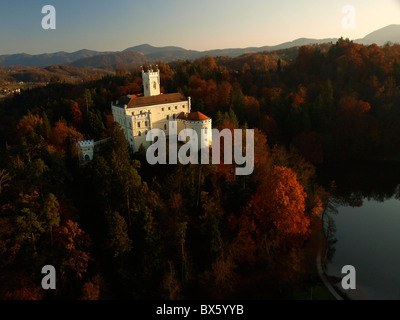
138,114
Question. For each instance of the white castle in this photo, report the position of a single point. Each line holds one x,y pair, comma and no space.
139,114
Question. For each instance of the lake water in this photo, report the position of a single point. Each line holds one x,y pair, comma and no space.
366,224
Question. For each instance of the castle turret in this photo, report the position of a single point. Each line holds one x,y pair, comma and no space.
151,82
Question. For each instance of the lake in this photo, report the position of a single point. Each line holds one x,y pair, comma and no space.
365,227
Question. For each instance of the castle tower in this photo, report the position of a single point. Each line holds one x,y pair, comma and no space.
151,82
199,123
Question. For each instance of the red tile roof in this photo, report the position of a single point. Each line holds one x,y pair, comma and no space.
197,116
154,100
181,116
193,116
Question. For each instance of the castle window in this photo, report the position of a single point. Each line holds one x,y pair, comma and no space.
173,116
169,108
167,116
139,133
165,127
183,107
176,107
138,124
162,109
145,123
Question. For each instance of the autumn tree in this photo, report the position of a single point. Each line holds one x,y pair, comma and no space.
4,179
222,277
275,215
51,214
170,286
76,114
73,243
91,290
63,137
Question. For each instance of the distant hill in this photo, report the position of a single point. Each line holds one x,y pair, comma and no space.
176,53
382,36
286,45
111,59
45,59
148,49
42,75
167,53
147,53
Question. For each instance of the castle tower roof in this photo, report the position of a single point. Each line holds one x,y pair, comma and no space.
193,116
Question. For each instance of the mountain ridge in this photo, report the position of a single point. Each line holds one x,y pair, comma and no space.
148,53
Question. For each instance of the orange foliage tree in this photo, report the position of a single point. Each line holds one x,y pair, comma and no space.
76,114
275,215
62,135
74,243
28,123
279,204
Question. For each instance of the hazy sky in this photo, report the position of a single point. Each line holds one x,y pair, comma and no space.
115,25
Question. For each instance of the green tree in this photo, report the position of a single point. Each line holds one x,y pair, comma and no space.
30,227
212,217
125,180
117,235
96,125
87,100
238,102
51,214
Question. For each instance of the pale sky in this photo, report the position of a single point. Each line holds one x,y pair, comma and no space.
114,25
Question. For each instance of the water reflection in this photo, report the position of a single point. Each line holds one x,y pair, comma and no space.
362,225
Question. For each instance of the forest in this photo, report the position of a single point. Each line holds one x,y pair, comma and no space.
121,228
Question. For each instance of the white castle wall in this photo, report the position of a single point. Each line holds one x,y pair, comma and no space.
86,149
138,120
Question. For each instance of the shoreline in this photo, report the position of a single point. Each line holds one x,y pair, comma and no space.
322,274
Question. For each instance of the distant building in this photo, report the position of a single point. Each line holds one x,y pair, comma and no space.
87,149
138,115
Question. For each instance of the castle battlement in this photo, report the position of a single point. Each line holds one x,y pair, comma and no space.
86,143
151,73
